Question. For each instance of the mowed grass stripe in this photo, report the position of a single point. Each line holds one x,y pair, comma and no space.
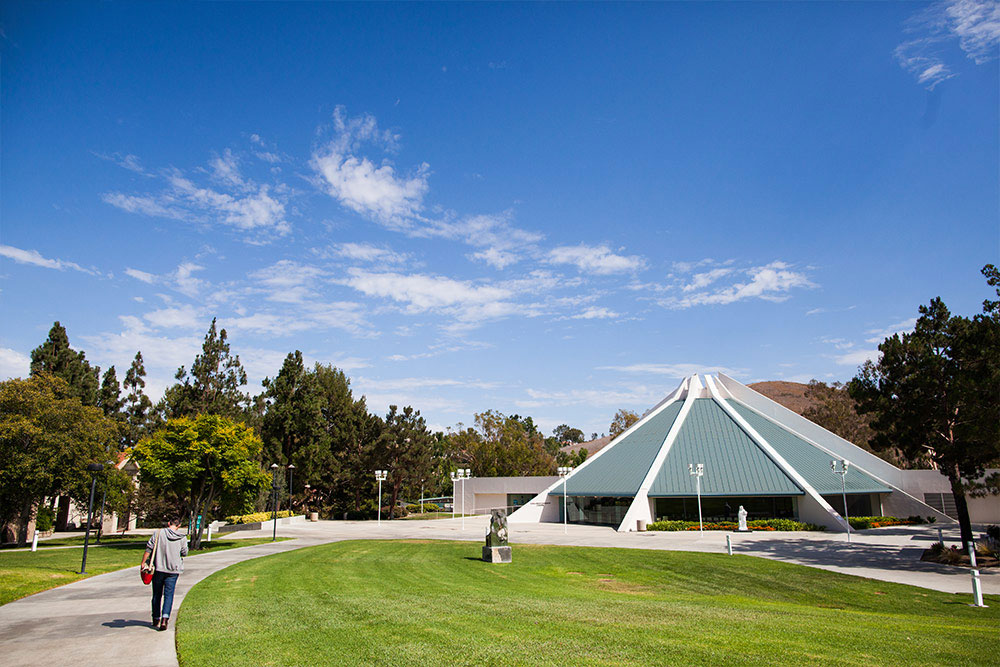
434,603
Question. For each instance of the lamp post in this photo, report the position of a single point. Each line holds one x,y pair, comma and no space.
454,479
463,474
94,468
274,501
421,496
842,471
291,472
564,471
380,475
697,470
307,487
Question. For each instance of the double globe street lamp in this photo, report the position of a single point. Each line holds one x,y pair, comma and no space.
462,475
380,475
564,472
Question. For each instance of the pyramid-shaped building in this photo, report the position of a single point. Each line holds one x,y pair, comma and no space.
755,452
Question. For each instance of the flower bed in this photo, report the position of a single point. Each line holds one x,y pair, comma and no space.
866,522
755,525
257,517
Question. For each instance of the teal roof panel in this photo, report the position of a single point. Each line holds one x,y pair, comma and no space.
734,464
808,460
620,470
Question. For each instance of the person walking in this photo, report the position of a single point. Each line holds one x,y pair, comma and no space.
167,547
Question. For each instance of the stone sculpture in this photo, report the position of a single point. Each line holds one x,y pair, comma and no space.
742,515
496,549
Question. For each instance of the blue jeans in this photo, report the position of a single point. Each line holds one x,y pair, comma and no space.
163,586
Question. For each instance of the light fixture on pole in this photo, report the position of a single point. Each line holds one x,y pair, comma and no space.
380,476
842,471
454,479
463,474
697,470
564,472
93,468
307,487
291,472
274,501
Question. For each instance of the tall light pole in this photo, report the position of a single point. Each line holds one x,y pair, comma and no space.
464,474
307,487
291,472
697,470
380,476
274,501
94,468
104,497
454,479
421,496
842,471
564,471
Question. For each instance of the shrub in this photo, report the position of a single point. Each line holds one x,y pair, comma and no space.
866,522
256,517
757,524
943,554
413,507
431,507
45,519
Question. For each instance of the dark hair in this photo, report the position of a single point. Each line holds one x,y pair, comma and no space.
174,519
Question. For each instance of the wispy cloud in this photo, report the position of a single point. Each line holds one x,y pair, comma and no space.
13,364
364,252
289,281
879,335
973,24
35,258
125,161
596,313
771,282
235,201
599,260
142,276
672,370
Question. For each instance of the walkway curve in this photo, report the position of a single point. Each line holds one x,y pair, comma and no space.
104,620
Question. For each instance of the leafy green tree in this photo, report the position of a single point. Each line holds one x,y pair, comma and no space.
109,399
937,391
213,386
47,439
501,446
572,459
55,356
623,419
567,435
137,405
208,463
405,450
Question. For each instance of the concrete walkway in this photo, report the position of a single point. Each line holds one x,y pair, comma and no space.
104,620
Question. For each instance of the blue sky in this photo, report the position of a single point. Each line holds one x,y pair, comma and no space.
548,209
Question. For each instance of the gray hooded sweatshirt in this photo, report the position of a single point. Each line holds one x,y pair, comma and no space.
172,547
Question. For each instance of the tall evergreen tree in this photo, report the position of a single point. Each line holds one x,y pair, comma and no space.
405,450
109,398
137,404
55,356
213,385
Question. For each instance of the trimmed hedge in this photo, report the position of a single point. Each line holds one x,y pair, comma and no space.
757,524
414,508
256,517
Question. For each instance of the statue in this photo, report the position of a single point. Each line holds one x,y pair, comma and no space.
496,549
742,514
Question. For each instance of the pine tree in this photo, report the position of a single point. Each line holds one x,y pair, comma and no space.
55,356
109,399
213,384
137,404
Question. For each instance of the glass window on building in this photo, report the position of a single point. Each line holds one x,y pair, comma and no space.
858,504
724,508
606,511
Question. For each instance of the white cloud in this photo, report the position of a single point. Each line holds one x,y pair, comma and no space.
226,168
288,281
771,282
673,370
128,161
596,313
179,317
373,190
857,357
974,24
365,252
142,276
595,259
13,364
35,258
420,293
703,280
879,335
184,281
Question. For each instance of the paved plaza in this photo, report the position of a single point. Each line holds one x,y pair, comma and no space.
104,620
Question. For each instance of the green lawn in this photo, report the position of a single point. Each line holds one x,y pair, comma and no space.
436,603
23,572
417,516
77,540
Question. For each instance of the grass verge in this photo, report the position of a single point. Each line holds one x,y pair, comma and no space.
434,603
23,573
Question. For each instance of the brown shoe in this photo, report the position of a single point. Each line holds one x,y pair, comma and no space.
156,624
163,624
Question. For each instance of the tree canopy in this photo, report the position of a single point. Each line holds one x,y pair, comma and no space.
47,438
57,358
501,446
213,385
208,464
621,422
936,392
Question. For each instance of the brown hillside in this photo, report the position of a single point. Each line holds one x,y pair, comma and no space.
792,395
